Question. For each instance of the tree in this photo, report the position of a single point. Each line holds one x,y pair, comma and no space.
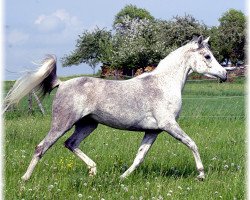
132,12
135,42
215,43
230,36
143,42
183,28
90,49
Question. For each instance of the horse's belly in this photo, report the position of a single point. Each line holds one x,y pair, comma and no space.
138,123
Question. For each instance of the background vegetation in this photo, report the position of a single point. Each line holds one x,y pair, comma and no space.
139,40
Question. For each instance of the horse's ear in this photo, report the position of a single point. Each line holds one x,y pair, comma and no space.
206,40
200,39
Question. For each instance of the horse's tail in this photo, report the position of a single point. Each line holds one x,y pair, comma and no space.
44,80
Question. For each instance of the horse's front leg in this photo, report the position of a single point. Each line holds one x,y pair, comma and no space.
146,143
174,130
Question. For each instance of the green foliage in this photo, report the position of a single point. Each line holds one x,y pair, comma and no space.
132,12
91,48
138,40
134,43
142,43
229,37
184,28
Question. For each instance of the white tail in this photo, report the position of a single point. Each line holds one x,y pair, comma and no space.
43,79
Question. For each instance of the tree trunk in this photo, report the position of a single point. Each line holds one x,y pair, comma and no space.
116,74
93,68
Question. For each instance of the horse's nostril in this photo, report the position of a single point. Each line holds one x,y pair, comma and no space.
223,79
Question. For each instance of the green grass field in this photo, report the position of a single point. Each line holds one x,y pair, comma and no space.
213,116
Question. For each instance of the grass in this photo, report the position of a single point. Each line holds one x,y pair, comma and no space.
211,117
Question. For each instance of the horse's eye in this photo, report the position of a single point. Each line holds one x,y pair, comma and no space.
207,56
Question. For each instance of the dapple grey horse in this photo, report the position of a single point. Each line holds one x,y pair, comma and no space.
150,102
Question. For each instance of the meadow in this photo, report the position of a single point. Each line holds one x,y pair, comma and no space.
213,115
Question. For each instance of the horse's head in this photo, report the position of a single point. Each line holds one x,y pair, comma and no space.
203,61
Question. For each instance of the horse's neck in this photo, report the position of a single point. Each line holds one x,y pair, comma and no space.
174,69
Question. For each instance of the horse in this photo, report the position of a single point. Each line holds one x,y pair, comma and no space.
150,102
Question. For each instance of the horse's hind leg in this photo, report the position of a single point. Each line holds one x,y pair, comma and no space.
83,128
146,143
57,130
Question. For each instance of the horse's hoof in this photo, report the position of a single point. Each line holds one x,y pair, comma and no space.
24,178
200,177
122,177
92,171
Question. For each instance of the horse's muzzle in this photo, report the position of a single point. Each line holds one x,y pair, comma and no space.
223,79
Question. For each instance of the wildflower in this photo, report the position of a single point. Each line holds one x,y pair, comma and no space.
132,197
188,188
214,158
179,187
216,192
226,167
50,187
70,165
168,194
80,195
160,197
85,184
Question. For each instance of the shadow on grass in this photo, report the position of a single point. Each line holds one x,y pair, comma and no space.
156,170
175,172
